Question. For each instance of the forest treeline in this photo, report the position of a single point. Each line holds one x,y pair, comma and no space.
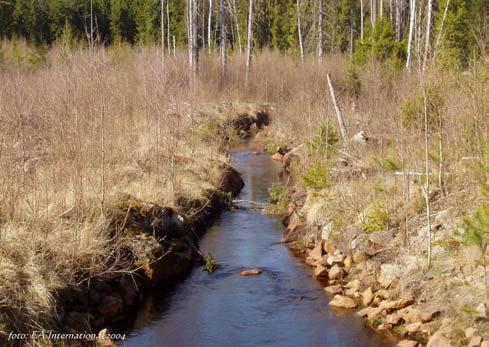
458,29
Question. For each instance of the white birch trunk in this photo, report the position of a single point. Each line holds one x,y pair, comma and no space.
412,16
168,26
428,34
320,27
222,40
249,43
299,30
238,34
209,27
438,38
195,41
189,34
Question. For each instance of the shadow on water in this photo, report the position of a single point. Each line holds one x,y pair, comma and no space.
283,306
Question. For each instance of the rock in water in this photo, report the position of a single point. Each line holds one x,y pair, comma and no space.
251,272
342,301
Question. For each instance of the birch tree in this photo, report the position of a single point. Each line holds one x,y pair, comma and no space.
412,15
299,32
222,40
249,43
195,42
209,27
320,30
428,33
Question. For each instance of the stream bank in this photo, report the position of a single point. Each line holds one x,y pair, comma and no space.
279,307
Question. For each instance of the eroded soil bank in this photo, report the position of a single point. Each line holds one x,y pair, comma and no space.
151,245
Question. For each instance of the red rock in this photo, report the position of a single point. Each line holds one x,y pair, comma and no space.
321,271
333,290
251,272
342,301
336,272
367,296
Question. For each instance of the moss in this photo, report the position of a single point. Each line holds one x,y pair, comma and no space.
210,263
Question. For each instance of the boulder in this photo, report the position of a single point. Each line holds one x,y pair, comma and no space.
367,296
342,301
393,319
317,252
395,305
336,272
383,294
384,327
412,327
325,232
361,137
311,262
321,271
335,258
329,247
475,341
440,337
355,284
348,262
334,290
358,257
389,272
371,313
251,272
407,343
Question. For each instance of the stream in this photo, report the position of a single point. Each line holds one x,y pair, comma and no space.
284,306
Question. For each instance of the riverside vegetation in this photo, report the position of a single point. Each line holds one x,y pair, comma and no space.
356,208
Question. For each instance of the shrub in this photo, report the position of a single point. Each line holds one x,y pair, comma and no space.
323,141
351,84
412,110
317,176
278,199
476,227
377,219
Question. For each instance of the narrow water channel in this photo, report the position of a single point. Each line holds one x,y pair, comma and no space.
284,306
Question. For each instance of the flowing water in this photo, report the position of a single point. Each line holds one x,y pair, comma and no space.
284,306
